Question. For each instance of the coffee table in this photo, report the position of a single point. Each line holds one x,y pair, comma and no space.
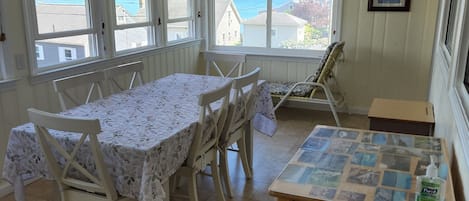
359,165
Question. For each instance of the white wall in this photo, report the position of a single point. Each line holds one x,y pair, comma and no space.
285,33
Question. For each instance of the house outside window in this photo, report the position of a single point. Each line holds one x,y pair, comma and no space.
39,52
179,20
135,26
277,25
54,25
67,54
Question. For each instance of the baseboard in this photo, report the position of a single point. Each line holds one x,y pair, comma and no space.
6,188
322,107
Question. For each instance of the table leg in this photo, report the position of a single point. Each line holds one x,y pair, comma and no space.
19,189
249,136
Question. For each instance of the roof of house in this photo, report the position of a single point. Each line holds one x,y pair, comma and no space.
220,8
278,19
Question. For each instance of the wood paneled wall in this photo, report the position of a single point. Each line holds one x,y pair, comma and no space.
13,103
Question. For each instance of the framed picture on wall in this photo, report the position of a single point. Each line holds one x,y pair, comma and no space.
388,5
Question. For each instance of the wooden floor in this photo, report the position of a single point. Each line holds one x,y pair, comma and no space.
270,156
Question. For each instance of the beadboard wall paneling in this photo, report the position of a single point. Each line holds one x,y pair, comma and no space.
13,103
387,54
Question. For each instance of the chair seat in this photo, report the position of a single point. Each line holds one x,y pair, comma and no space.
281,88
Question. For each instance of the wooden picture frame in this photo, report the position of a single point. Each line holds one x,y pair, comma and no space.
389,5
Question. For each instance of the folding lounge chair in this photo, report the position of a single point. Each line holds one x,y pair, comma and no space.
315,88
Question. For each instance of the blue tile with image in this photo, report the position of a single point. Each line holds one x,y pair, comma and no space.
316,144
364,159
379,138
325,132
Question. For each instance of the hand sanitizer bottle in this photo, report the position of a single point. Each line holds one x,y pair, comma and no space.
430,187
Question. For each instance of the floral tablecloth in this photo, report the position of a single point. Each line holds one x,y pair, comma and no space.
146,134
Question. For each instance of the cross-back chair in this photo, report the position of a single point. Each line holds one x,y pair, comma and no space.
203,150
215,60
97,187
63,85
239,116
135,69
308,90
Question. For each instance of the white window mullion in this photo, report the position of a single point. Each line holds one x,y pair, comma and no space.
269,24
103,29
164,21
156,11
46,36
130,26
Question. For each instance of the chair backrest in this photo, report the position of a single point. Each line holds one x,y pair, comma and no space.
214,59
244,101
87,128
135,69
210,123
94,79
329,64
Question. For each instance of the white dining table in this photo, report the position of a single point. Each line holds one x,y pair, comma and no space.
146,134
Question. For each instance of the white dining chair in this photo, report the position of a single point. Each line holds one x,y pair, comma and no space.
203,150
61,86
97,187
239,114
215,60
134,69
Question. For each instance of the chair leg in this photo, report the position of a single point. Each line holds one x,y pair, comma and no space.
216,180
225,172
193,196
244,157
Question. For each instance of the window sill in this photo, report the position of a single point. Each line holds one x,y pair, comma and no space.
289,54
6,85
101,64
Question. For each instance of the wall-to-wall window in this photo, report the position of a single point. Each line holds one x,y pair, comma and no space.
273,24
64,33
2,41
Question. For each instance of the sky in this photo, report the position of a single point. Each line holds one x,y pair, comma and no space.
247,8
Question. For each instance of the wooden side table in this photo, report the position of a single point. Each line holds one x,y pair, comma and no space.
401,116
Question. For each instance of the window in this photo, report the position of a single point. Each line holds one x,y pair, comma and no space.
63,33
450,26
179,18
61,23
303,25
132,25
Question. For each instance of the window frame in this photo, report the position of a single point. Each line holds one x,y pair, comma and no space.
32,35
268,51
3,74
103,24
152,39
189,19
459,96
444,28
